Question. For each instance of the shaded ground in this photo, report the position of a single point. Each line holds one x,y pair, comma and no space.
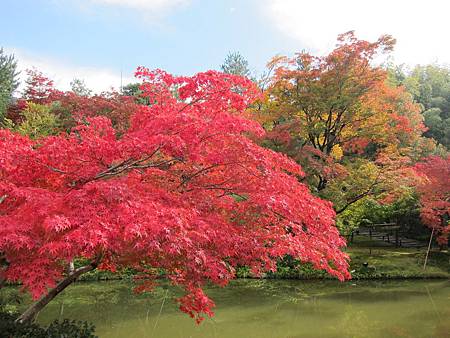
388,237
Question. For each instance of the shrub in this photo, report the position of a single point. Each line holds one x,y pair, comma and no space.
57,329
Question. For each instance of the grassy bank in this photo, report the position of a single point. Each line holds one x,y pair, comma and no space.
370,260
383,262
398,263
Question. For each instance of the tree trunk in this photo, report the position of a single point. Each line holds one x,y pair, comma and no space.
2,280
322,183
71,267
3,266
30,314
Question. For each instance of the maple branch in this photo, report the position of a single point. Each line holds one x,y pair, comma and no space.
130,164
56,170
30,314
127,161
187,178
358,197
304,228
209,136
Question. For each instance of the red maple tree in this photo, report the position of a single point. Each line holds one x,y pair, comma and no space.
71,108
434,191
39,88
184,189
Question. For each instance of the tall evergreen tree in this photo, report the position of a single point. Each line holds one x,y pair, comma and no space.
235,64
8,81
79,87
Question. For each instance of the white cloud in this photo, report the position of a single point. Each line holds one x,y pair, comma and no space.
148,12
421,28
62,73
146,5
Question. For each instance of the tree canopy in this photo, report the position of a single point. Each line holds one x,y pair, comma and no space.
340,117
184,188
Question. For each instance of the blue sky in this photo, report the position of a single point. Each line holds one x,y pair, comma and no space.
95,39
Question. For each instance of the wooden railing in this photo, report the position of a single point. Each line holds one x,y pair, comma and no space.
389,228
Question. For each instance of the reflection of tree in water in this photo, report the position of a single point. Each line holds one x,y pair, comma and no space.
442,329
258,291
356,324
107,302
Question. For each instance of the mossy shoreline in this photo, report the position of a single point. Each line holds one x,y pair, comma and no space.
366,263
374,263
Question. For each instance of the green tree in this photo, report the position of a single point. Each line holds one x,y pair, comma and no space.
38,121
430,86
79,87
133,90
8,81
236,64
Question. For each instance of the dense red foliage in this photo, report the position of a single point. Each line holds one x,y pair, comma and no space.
73,108
184,189
14,111
435,195
40,89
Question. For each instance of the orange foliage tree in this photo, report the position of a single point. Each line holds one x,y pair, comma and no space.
324,110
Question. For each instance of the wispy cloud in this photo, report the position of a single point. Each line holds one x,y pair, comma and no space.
97,79
146,5
147,12
419,28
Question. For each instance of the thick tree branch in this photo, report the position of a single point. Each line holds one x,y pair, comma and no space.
355,199
30,314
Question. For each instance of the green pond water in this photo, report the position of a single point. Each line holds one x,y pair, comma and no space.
265,308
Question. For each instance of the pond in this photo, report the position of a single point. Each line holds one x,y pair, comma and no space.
266,308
